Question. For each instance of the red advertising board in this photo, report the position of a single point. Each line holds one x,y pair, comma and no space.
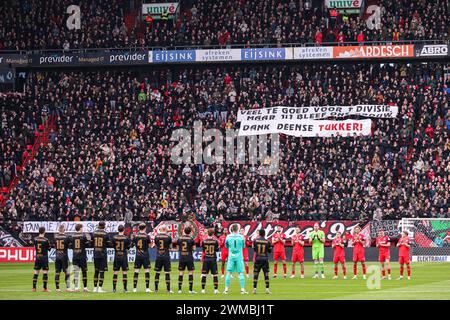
373,52
11,254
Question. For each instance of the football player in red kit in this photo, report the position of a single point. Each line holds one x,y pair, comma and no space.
245,251
338,245
404,246
223,250
278,241
298,253
358,252
384,255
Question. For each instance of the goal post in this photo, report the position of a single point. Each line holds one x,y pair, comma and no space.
430,238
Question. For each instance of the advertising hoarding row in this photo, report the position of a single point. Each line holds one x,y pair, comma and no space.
145,57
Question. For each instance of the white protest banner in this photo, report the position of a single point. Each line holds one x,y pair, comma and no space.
52,226
319,112
306,128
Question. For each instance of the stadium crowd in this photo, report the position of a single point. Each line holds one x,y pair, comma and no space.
110,155
32,24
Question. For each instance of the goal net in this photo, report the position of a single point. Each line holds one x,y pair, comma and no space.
430,239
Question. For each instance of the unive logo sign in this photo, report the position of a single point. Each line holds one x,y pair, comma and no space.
173,56
264,54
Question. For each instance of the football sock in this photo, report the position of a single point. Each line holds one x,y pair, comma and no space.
246,269
293,269
408,269
335,269
242,280
255,279
216,281
84,278
275,268
156,281
355,269
168,281
67,279
266,278
96,272
344,270
191,281
125,281
316,267
35,278
321,267
101,279
203,281
364,268
57,280
284,268
402,268
114,281
227,280
147,280
135,279
45,279
180,282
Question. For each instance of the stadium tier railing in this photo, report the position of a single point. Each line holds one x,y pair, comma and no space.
228,46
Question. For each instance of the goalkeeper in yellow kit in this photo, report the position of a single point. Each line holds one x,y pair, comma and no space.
317,240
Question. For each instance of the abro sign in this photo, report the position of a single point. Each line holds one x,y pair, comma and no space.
17,255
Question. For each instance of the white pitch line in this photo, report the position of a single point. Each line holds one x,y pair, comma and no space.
290,293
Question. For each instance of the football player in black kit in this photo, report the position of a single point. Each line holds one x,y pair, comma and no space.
163,243
210,246
42,245
62,243
262,249
79,244
121,244
101,243
142,243
186,245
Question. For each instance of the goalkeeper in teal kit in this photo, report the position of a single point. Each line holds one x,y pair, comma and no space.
235,243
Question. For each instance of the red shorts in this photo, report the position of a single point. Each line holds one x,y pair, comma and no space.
383,257
224,255
298,256
338,259
358,256
403,259
245,253
279,255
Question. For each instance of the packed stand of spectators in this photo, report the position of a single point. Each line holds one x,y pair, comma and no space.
210,22
32,24
111,155
22,121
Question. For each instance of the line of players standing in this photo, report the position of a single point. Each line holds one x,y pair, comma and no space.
163,242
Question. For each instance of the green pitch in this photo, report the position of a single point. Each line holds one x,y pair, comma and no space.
429,281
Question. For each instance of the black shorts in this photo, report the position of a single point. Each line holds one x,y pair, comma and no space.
80,263
61,264
189,264
162,263
101,264
120,264
209,265
41,264
142,261
261,265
